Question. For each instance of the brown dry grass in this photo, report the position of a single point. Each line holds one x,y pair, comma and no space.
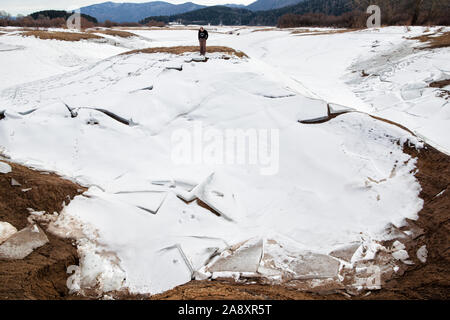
18,29
301,33
265,29
63,36
114,33
434,41
184,49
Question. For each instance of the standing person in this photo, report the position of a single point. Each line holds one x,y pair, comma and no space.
202,37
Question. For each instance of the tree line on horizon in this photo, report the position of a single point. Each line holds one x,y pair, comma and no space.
58,19
400,12
321,13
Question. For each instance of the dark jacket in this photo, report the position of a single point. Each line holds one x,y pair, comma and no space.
203,34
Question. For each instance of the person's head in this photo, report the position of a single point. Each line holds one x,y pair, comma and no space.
202,29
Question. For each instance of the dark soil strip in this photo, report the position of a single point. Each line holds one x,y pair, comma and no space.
41,275
440,84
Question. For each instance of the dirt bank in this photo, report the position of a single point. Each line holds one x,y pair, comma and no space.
41,275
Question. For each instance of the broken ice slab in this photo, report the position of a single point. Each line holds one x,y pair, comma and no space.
399,251
6,231
337,108
422,254
392,232
284,258
216,192
346,252
15,183
169,271
148,201
5,168
397,245
314,266
276,259
400,255
23,243
185,185
245,258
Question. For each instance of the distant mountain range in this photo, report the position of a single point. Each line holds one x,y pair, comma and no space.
215,15
284,13
134,12
239,16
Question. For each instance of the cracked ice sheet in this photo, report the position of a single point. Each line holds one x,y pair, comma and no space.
318,203
322,196
323,66
143,242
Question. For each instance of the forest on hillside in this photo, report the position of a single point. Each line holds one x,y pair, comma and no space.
333,13
352,13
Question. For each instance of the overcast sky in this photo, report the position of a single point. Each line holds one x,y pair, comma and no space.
15,7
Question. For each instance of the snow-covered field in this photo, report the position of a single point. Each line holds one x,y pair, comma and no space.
149,223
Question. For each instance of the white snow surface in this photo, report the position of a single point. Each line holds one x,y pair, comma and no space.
338,182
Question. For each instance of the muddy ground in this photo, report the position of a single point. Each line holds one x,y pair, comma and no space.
42,275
